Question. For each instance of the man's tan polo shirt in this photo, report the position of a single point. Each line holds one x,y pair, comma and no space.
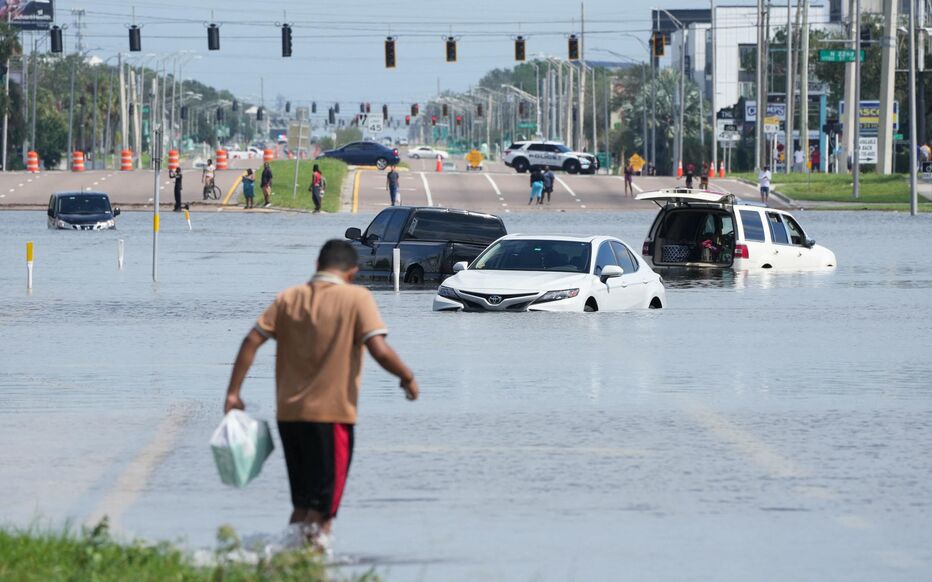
321,328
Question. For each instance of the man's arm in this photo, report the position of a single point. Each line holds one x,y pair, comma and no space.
244,359
391,363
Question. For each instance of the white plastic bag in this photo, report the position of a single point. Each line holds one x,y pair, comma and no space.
240,445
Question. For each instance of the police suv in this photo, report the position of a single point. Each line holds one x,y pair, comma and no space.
524,155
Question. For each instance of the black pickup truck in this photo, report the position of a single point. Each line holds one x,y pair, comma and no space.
431,240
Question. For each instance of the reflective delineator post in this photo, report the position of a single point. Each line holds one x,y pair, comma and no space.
29,257
120,254
187,216
396,268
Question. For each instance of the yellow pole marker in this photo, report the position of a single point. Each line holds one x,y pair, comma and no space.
155,223
226,199
187,216
356,191
30,254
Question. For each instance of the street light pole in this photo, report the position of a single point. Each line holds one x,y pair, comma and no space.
913,184
856,130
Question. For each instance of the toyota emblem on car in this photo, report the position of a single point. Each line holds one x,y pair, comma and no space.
495,299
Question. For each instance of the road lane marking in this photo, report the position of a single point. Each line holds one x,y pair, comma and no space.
138,474
356,192
226,199
568,189
430,201
494,186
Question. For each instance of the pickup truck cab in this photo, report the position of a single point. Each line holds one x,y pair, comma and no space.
431,241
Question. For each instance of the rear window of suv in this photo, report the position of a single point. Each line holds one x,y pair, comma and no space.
456,227
753,226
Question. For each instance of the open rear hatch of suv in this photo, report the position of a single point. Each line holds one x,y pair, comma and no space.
694,228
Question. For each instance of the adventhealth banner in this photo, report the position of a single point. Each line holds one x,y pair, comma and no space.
27,14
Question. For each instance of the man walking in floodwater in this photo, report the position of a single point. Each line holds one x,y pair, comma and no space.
321,328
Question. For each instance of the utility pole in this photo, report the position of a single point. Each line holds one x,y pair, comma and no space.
856,106
804,87
852,117
761,103
682,122
714,101
124,120
913,184
35,90
581,116
6,111
790,78
71,113
887,82
653,100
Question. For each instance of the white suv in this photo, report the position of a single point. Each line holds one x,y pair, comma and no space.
524,155
697,228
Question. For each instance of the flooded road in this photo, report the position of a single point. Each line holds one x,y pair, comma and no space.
763,426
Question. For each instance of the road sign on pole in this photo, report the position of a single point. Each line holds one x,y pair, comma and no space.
838,56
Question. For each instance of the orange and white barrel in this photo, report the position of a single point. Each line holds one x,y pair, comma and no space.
32,162
173,160
268,155
77,162
126,160
222,161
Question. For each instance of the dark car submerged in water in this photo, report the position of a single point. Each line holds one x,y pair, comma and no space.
81,211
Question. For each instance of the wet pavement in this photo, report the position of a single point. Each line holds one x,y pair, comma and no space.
763,426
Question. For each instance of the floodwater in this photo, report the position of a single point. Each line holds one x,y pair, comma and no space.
763,426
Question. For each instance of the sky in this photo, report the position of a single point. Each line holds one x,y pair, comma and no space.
338,46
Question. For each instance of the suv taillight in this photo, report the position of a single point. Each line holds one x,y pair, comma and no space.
395,151
507,152
645,250
741,252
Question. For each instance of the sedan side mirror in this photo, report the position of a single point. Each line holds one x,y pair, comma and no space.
460,266
353,234
116,212
611,271
810,242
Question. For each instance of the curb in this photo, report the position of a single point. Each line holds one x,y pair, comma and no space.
783,198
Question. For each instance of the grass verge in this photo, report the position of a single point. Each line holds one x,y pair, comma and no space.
283,182
32,555
875,188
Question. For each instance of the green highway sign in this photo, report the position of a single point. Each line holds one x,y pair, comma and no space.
527,125
838,56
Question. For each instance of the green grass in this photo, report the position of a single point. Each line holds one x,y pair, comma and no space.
283,182
875,188
875,207
33,555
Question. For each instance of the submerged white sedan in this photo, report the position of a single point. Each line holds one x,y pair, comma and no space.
552,273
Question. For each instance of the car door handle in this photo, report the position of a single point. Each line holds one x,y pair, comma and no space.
776,252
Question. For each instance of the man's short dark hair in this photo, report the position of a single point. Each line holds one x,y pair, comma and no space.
337,254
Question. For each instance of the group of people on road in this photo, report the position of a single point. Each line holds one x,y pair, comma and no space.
541,184
265,183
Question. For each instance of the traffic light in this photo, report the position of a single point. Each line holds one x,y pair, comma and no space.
184,112
220,114
407,120
336,107
519,49
314,107
445,110
56,40
451,49
866,36
368,107
390,52
331,116
479,110
235,106
385,112
286,40
213,37
414,110
362,107
522,109
459,120
573,48
433,120
287,106
657,41
135,39
260,114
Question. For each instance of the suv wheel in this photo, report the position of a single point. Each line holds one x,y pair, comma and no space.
520,165
571,167
381,163
415,275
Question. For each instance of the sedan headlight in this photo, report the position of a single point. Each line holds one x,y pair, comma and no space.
558,295
62,224
447,292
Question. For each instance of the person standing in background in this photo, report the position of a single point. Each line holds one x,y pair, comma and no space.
629,179
537,186
176,176
763,182
249,189
266,184
391,184
549,179
318,187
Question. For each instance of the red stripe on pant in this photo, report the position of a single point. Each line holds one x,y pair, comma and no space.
341,459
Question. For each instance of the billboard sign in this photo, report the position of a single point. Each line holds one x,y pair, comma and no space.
777,110
870,116
27,14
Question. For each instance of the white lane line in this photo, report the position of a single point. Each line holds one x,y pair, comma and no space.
29,180
568,189
12,189
21,185
494,186
95,183
430,200
637,188
2,195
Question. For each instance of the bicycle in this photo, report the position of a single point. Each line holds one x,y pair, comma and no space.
211,191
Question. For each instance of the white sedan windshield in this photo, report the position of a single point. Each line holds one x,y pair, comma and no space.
535,255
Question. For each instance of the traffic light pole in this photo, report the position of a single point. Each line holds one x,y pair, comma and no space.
913,177
856,106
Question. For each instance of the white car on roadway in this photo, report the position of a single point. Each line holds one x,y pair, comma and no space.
427,153
524,155
697,228
552,273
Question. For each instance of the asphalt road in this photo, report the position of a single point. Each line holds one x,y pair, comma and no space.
496,188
